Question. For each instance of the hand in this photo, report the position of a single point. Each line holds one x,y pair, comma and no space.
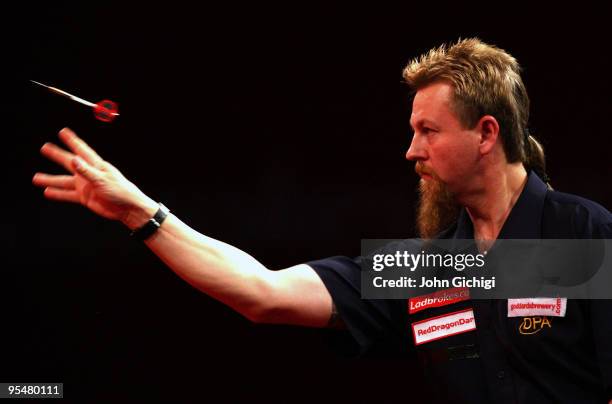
94,183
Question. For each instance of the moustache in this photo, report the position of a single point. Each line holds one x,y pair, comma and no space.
421,170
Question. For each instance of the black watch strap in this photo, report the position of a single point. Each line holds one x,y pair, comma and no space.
150,227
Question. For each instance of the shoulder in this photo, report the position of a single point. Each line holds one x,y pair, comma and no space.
568,215
561,201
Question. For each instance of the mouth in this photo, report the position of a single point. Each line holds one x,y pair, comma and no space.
423,173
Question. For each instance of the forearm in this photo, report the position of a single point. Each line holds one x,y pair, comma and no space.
218,269
295,295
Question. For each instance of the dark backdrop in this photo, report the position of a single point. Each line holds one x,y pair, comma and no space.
280,129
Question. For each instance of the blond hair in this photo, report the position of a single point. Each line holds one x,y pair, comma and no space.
486,80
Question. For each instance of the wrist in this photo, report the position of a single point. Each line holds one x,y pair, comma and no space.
140,213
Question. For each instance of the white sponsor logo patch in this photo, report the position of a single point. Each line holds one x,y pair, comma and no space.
537,306
443,326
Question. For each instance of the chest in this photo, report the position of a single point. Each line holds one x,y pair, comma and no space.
455,327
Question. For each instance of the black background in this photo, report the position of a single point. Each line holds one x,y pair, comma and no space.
279,128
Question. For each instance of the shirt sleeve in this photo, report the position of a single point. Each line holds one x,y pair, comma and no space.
599,226
601,313
376,325
601,320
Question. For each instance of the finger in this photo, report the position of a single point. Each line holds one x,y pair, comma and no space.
63,195
58,155
79,147
56,181
86,170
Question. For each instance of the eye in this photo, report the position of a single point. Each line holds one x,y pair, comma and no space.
427,130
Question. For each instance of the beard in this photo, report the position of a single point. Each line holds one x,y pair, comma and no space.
437,208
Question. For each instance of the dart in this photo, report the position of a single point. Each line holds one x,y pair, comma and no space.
104,110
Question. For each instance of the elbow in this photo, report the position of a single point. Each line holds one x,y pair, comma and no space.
263,314
257,315
264,306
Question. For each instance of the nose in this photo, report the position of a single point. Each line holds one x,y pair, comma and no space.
416,151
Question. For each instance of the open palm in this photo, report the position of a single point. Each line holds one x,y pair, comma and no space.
93,183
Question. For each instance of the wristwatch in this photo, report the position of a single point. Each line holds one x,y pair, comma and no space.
151,226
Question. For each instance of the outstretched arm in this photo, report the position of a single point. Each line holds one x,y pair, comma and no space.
294,295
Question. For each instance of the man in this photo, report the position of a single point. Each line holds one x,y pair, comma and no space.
480,178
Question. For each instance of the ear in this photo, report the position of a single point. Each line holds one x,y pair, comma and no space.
489,133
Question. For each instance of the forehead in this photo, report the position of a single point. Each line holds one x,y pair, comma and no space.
432,103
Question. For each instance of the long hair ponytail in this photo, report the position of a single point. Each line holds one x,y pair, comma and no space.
534,157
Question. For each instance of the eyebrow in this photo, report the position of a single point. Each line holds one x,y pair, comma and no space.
423,122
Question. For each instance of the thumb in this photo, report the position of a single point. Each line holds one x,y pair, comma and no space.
85,169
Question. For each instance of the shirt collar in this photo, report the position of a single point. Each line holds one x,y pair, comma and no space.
525,219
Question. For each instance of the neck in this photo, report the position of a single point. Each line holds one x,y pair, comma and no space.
490,205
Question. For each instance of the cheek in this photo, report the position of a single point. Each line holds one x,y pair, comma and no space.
454,163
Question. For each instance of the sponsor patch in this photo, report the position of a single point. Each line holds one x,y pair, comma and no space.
537,306
443,326
438,299
533,325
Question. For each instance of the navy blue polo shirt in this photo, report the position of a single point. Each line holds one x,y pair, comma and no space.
568,359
